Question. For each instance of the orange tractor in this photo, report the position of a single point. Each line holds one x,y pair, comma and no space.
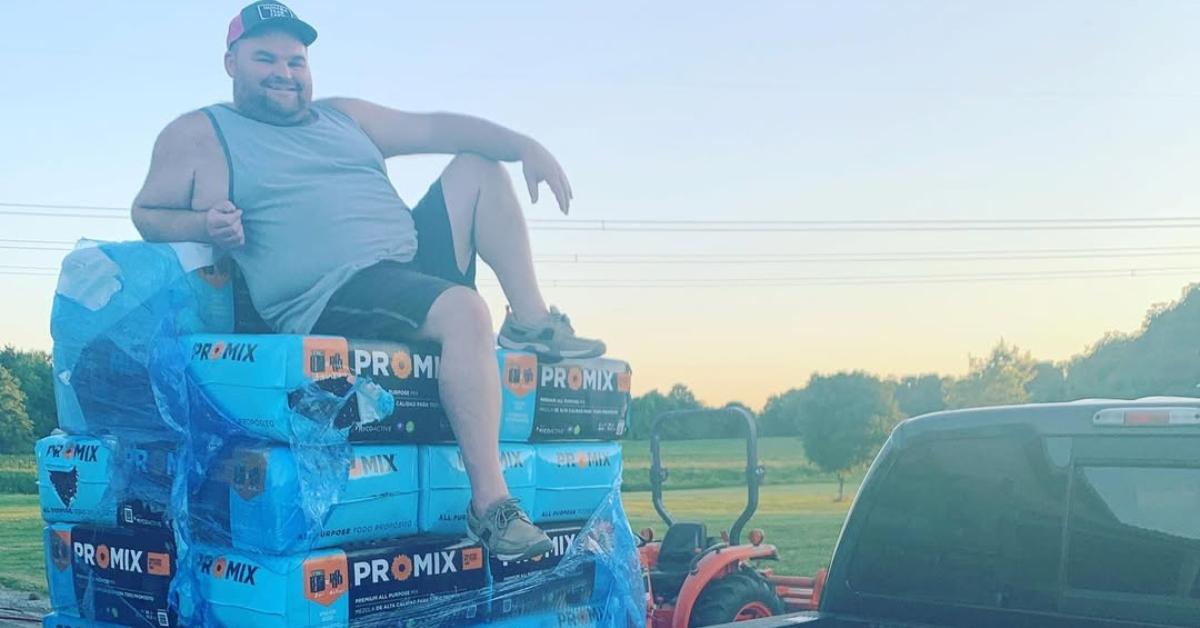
693,579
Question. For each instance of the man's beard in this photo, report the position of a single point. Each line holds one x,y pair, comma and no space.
255,101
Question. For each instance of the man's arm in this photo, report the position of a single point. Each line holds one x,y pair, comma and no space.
402,133
162,210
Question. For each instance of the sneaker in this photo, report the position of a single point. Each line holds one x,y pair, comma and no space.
553,337
507,532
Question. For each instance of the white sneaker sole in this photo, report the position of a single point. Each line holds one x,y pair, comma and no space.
530,552
544,350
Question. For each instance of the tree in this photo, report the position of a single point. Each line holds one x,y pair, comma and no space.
846,417
1162,358
35,376
1049,383
16,430
653,403
781,414
998,379
920,394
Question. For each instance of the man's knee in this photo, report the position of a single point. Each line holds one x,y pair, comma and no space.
473,171
459,314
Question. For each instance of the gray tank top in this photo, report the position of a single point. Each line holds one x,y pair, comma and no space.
317,206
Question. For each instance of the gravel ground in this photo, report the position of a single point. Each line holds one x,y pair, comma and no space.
17,610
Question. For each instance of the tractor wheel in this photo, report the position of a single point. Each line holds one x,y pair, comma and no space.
740,596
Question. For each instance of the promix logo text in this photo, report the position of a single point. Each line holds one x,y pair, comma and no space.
578,378
105,557
509,460
582,459
78,453
373,465
405,566
400,364
221,350
232,570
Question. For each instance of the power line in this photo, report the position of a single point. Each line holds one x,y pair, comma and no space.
880,280
868,257
789,258
730,222
848,226
734,226
804,280
51,206
36,214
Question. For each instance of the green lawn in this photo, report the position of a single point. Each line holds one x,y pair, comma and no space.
706,482
18,474
21,559
712,463
802,520
796,508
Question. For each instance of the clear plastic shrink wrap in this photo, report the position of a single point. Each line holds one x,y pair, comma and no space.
166,510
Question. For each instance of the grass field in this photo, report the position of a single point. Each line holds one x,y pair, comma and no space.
21,561
706,483
692,464
18,474
802,520
712,463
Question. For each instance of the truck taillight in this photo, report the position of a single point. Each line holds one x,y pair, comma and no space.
819,587
1147,417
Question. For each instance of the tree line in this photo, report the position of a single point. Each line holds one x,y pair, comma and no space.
839,417
843,418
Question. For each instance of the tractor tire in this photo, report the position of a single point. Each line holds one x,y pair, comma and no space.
740,596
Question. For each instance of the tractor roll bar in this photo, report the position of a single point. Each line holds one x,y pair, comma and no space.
754,473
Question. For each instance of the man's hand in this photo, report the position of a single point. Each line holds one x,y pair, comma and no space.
539,165
223,223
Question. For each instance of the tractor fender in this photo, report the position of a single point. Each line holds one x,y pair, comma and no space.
711,567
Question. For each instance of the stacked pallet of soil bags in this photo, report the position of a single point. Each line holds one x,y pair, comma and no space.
203,477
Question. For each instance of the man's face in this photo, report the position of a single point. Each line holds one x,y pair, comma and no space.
271,81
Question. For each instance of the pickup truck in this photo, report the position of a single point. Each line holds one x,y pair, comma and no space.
1051,515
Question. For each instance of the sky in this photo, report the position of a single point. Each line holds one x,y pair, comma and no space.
756,115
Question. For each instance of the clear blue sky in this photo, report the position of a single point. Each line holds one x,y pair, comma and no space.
700,110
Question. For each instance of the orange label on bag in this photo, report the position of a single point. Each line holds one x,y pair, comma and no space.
326,579
158,564
214,276
325,358
472,558
60,549
624,381
249,474
520,373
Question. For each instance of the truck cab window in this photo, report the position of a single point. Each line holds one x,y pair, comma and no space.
973,521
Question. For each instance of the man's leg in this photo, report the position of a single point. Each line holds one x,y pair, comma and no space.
470,390
485,217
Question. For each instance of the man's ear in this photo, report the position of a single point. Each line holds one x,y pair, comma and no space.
230,62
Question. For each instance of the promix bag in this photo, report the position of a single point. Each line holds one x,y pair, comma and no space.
112,301
376,498
582,400
573,479
446,490
117,575
104,481
428,581
532,587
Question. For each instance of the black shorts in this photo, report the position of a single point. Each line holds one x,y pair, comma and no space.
390,300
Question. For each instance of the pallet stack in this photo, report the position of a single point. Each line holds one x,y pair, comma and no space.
208,478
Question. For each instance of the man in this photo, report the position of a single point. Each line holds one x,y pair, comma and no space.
296,191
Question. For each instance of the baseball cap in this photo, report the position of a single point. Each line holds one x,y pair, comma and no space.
274,14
